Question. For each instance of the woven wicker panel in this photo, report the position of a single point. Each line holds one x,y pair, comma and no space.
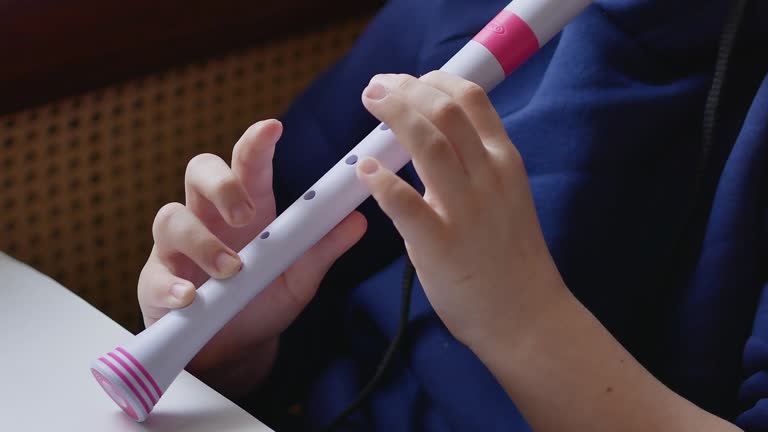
82,178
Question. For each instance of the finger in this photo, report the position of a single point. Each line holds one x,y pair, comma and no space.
475,103
208,179
447,114
252,164
434,157
416,221
160,289
178,231
312,266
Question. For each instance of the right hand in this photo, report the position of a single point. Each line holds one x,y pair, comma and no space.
225,209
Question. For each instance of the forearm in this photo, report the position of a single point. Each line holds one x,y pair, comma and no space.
567,373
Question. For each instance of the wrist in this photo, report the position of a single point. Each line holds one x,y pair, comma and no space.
511,333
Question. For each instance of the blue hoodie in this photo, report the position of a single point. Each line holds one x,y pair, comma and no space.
608,118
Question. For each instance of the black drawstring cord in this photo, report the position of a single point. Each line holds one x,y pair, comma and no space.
727,42
700,197
409,274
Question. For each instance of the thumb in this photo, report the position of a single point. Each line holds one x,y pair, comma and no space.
308,270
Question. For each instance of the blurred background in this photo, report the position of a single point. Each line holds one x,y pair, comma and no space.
103,103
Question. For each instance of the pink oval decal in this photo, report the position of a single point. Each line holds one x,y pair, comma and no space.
496,27
509,39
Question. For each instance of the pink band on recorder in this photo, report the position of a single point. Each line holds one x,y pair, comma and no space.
509,39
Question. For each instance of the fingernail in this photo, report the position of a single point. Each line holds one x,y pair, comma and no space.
227,264
241,214
369,166
375,91
180,292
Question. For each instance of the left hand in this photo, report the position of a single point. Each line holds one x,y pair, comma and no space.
474,237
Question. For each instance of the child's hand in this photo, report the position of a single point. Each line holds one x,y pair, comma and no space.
474,238
476,243
225,209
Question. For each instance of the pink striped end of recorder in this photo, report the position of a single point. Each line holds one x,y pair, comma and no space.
127,382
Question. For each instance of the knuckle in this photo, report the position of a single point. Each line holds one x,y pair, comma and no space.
513,159
447,110
185,231
192,236
198,162
472,94
436,147
431,76
208,244
404,82
225,184
164,217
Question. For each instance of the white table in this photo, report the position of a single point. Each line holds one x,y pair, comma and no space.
48,336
